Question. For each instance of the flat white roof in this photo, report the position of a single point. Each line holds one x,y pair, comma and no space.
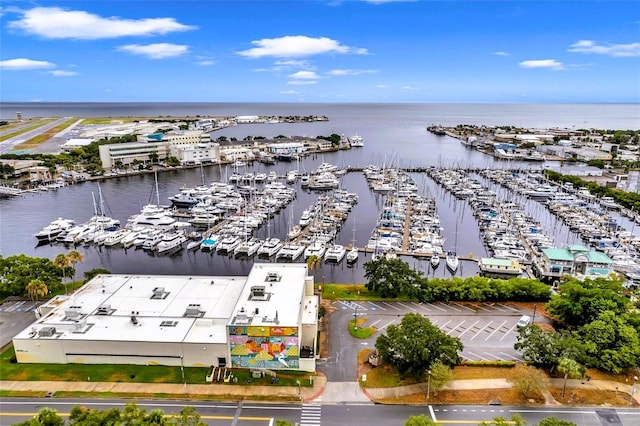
78,142
174,309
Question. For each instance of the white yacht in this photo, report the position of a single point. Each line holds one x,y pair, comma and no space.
115,237
305,218
210,243
51,231
314,249
452,261
248,247
290,251
335,253
356,141
228,244
435,260
171,241
352,256
270,247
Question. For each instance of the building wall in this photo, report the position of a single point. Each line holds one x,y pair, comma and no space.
275,347
130,151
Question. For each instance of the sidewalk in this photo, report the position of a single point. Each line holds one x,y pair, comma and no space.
348,392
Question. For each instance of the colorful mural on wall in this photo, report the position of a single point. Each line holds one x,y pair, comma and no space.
264,347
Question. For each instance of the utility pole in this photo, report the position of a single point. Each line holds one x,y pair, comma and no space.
533,318
428,383
633,389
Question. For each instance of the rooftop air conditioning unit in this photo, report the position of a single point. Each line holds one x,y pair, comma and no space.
104,310
158,292
73,311
47,332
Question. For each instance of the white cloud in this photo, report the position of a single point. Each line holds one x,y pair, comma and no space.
351,72
500,53
205,62
290,92
381,86
542,63
304,75
62,73
410,88
615,50
297,46
302,82
293,64
57,23
156,50
25,64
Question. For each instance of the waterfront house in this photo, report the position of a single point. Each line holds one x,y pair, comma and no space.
575,260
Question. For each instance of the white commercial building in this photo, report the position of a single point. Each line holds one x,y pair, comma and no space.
265,320
201,153
128,152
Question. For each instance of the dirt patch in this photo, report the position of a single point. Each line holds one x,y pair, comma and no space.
591,397
324,327
473,397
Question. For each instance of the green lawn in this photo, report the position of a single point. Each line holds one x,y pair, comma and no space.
355,292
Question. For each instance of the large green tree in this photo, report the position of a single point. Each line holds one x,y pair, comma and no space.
528,380
569,368
391,277
580,302
19,270
545,348
414,345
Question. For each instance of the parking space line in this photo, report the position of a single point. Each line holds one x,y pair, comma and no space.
420,306
373,324
377,306
495,331
474,354
508,332
463,307
408,307
509,307
456,327
509,356
437,307
495,356
468,328
494,306
450,306
481,330
391,306
352,305
482,307
387,325
444,325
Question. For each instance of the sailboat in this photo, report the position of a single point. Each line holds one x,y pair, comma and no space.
352,255
452,256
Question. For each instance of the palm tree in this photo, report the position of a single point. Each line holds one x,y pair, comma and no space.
74,257
571,369
37,288
313,262
62,262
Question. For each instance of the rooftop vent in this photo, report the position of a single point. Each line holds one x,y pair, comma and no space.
104,310
134,319
159,293
258,293
47,332
193,310
273,277
73,312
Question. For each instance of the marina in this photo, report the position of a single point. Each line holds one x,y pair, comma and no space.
419,239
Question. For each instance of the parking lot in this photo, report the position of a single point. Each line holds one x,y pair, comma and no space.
487,330
15,316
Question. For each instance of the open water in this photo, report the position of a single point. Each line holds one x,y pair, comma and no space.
394,135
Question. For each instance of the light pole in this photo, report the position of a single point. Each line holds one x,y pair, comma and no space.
182,370
355,317
633,389
533,319
299,390
428,383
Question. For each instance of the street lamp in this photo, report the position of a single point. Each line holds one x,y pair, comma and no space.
182,370
355,317
428,383
633,389
299,390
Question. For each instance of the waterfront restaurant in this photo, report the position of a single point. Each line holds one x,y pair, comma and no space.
576,260
267,319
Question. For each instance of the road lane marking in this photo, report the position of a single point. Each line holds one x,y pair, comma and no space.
433,414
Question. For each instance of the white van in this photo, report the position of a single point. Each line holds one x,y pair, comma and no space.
524,321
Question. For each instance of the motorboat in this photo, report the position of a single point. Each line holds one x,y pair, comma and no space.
183,200
228,244
316,248
248,247
356,141
115,237
294,232
210,243
352,255
270,247
305,218
290,251
335,253
452,261
51,231
435,260
171,241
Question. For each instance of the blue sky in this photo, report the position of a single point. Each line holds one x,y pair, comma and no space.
320,51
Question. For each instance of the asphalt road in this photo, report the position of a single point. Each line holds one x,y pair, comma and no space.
15,316
10,143
14,410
